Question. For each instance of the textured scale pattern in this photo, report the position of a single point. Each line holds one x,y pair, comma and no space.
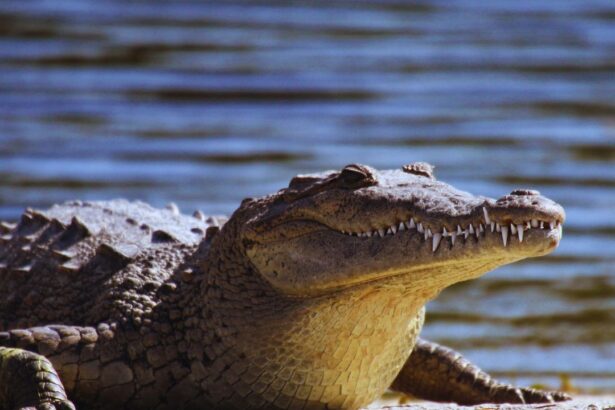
105,264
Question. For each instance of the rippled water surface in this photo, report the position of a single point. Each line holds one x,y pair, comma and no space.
206,103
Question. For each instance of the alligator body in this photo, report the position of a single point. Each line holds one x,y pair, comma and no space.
309,298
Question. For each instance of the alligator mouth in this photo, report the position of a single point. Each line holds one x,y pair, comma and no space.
479,228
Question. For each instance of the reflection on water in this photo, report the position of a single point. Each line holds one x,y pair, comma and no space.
203,103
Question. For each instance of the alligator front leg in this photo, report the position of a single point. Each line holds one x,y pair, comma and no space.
33,360
28,381
437,373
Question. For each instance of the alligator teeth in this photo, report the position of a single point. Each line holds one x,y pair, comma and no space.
435,241
504,234
520,232
487,220
428,234
436,234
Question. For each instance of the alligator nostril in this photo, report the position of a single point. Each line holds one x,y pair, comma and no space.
527,192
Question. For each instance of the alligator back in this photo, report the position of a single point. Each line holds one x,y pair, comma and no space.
81,263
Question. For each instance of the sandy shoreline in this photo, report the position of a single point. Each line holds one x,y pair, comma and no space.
600,402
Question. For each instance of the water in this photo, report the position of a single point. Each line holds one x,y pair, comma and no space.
206,103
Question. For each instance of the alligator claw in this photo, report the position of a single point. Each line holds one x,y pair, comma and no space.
533,396
526,395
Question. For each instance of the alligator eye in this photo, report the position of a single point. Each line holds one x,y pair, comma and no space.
354,176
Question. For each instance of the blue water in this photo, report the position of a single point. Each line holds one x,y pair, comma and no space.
204,103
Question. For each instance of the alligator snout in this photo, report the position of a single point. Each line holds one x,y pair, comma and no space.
523,204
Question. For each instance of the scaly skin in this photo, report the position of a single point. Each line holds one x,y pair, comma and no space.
310,298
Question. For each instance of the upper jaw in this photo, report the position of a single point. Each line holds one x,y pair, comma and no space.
511,215
436,212
478,229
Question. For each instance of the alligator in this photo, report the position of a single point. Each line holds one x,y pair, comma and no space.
309,298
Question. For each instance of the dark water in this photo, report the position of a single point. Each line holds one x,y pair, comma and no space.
206,103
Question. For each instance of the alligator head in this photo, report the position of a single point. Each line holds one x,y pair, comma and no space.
340,229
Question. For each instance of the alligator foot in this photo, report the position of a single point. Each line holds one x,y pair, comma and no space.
28,381
437,373
51,405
